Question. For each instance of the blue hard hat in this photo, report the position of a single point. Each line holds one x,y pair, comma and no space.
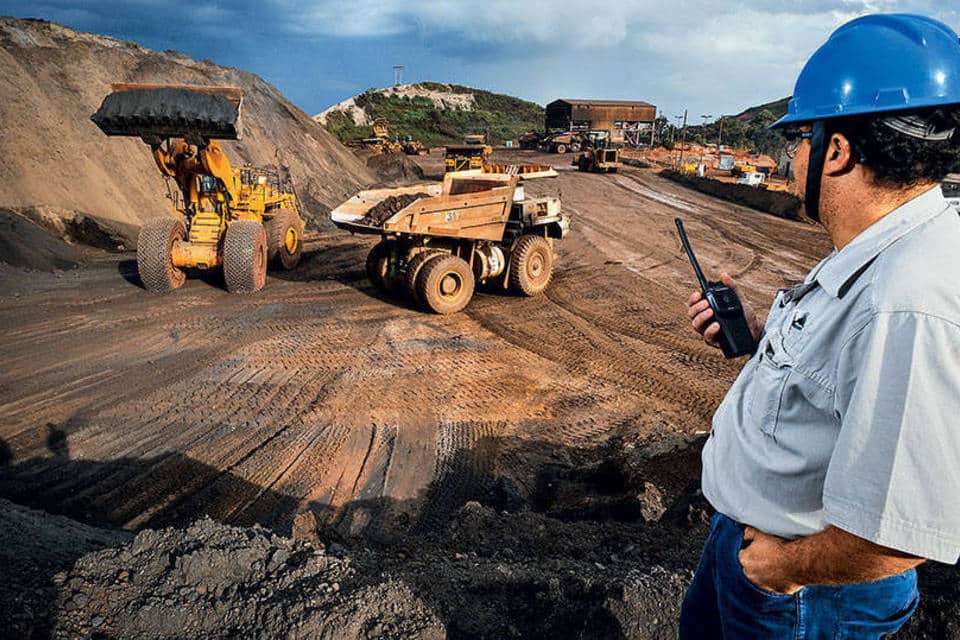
875,64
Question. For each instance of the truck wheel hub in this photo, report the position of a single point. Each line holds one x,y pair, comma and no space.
450,285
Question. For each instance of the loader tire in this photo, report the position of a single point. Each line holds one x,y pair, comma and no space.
154,255
378,266
445,284
284,239
414,266
531,265
245,256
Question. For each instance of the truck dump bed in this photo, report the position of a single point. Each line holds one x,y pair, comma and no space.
474,206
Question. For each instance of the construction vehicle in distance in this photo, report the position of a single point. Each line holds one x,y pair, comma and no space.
412,147
439,241
465,157
238,219
561,142
530,140
379,142
599,155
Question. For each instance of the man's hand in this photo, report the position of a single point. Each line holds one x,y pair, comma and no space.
832,556
766,562
701,315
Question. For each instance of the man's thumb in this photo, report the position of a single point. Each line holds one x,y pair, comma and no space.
727,280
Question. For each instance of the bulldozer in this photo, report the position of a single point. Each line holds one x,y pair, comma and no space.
238,219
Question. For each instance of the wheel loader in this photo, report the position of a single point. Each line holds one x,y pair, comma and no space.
599,155
238,219
440,241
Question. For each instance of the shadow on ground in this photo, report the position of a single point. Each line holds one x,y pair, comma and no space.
599,543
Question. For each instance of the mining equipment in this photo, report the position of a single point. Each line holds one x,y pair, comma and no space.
530,140
599,155
411,146
561,143
235,218
465,157
439,241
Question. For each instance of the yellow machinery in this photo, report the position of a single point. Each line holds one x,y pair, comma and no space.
438,242
239,219
599,155
462,157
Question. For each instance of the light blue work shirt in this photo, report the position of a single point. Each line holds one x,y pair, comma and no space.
849,413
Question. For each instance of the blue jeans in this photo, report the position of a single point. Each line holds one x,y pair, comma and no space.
722,602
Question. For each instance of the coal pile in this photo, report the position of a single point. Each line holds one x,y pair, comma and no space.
389,206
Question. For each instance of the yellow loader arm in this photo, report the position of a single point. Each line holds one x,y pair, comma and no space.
183,161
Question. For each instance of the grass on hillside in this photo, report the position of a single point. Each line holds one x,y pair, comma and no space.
500,117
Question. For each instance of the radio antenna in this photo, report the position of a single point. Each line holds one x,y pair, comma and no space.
693,259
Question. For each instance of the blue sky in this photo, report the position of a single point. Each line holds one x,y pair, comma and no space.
709,57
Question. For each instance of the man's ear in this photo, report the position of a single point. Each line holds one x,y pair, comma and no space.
839,156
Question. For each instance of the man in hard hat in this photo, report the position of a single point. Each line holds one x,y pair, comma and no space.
834,460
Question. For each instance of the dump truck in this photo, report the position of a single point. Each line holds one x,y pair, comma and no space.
465,157
439,241
238,219
599,155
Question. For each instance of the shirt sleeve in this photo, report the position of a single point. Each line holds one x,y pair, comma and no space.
894,475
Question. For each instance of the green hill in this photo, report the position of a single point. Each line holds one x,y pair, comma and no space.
433,113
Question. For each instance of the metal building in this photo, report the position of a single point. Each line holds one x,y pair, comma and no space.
627,121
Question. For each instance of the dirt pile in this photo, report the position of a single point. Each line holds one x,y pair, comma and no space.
24,243
36,546
216,581
55,156
389,206
394,168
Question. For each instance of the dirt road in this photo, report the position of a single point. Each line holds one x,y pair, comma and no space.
120,407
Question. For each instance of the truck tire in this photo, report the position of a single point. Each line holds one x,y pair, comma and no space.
378,266
561,148
154,255
245,256
575,147
284,239
531,265
445,284
414,266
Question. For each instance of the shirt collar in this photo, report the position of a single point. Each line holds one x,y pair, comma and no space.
841,267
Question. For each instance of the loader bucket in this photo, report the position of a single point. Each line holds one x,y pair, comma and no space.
163,111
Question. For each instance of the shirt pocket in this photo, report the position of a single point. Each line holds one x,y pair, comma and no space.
774,367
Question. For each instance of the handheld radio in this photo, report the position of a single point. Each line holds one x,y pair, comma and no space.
734,337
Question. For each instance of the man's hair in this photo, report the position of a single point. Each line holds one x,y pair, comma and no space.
898,159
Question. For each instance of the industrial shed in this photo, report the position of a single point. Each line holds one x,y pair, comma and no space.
627,120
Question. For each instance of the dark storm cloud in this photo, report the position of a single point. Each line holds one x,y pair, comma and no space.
709,57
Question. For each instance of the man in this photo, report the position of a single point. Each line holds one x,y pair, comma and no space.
834,460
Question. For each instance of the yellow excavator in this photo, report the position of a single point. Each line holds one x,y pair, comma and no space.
239,219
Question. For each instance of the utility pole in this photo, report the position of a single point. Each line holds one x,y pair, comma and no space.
673,130
720,135
705,118
683,137
398,74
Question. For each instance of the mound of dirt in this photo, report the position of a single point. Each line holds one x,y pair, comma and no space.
36,546
23,243
394,168
55,156
215,581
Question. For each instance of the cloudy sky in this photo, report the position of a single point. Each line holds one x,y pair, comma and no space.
710,57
